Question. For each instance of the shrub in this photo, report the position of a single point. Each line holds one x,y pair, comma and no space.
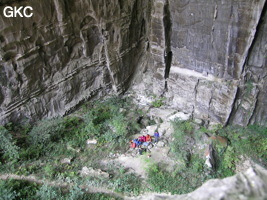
75,193
182,133
127,183
158,101
177,182
7,145
18,189
248,141
6,192
107,123
47,192
46,131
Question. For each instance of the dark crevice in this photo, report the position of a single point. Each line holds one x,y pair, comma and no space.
257,32
167,22
168,61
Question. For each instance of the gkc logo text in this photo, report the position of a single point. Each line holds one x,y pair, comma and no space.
18,11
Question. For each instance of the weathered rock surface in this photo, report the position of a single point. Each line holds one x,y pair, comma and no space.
93,172
207,58
69,51
65,161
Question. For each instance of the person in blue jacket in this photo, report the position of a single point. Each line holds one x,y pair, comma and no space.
156,136
137,142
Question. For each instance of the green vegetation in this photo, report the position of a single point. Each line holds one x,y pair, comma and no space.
47,131
182,135
127,183
249,86
247,142
8,148
17,189
39,149
250,142
158,101
178,181
186,176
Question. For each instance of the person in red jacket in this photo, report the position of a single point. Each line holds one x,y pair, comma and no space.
148,138
142,138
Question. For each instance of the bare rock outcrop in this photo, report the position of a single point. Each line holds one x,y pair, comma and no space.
209,59
67,52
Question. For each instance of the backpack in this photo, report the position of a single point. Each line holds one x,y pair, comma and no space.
133,145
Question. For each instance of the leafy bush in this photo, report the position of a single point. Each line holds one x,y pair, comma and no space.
127,183
46,131
17,189
181,134
7,192
107,123
158,101
248,141
180,181
100,196
7,145
75,193
47,192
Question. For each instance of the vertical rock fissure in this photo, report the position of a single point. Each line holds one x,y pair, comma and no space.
253,109
167,22
195,91
108,66
232,106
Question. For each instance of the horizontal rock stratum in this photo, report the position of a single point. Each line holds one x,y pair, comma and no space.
207,58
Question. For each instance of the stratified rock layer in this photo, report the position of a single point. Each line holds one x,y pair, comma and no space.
209,59
69,51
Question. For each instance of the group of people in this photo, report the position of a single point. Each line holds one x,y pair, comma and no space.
144,140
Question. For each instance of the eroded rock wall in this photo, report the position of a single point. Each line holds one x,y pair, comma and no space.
67,52
215,48
251,102
207,58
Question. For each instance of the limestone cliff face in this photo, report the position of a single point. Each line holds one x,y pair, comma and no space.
207,58
67,52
